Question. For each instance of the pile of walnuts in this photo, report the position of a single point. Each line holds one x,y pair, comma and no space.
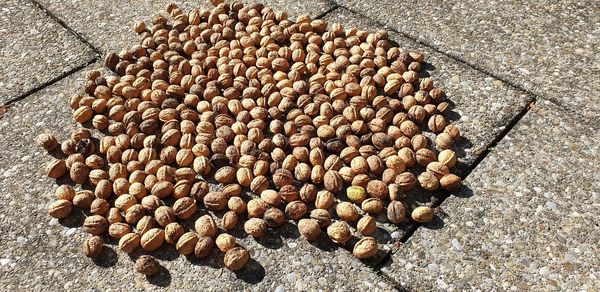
258,119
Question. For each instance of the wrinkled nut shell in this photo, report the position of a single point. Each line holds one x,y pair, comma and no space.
60,209
203,247
236,258
366,225
225,242
129,242
153,239
93,247
186,243
396,212
147,265
255,227
365,248
56,168
339,232
309,228
95,224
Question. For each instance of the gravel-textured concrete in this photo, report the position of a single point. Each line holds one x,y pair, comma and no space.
547,47
40,253
34,49
483,106
527,218
108,25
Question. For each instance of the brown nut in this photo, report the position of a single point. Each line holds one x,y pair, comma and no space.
147,265
153,239
396,212
56,168
203,247
60,209
422,214
92,247
129,242
118,230
95,224
450,182
366,247
186,243
295,210
339,232
236,258
366,225
429,181
309,228
346,211
184,208
274,217
206,226
225,242
255,227
173,231
215,201
323,217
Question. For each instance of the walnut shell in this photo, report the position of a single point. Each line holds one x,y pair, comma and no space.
236,258
60,209
366,247
92,247
309,228
147,265
153,239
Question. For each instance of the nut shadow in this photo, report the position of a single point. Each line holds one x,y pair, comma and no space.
107,258
161,279
252,273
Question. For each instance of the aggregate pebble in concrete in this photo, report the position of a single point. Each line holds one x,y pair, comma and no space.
483,106
108,25
40,253
527,218
547,47
34,49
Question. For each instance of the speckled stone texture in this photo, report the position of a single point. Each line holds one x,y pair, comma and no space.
108,25
483,106
527,217
547,47
34,49
40,253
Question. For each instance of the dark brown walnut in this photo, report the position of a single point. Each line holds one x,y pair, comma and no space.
295,210
323,217
203,247
147,265
215,201
93,246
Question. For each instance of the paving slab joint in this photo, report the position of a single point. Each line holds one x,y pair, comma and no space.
328,11
5,107
68,28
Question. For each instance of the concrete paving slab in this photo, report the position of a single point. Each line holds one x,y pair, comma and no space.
527,218
483,106
34,49
108,25
547,47
39,253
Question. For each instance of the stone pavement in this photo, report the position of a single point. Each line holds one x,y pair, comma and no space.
523,79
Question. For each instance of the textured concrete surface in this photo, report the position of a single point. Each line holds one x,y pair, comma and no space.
40,253
483,106
547,47
108,26
34,49
527,218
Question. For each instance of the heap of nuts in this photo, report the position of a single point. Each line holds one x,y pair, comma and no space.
291,120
